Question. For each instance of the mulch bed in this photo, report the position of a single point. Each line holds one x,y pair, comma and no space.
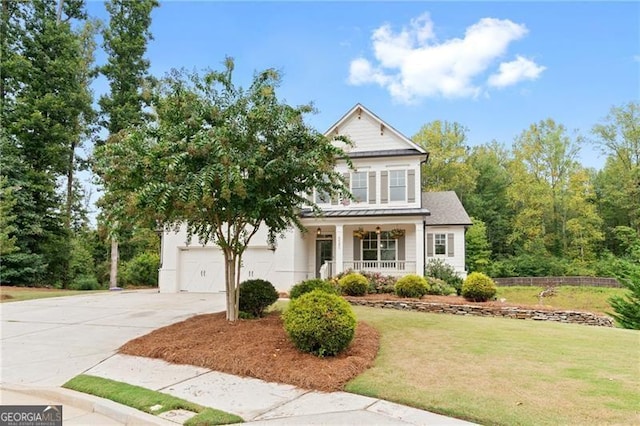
256,348
260,348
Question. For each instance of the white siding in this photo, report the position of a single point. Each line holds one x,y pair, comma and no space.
377,166
282,267
367,135
458,258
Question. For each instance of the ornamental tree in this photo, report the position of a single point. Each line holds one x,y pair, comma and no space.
223,160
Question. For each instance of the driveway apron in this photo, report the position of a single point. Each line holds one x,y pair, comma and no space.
46,342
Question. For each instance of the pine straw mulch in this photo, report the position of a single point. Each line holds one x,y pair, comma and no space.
256,348
260,348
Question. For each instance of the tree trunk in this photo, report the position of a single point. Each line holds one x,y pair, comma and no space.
69,203
231,286
113,274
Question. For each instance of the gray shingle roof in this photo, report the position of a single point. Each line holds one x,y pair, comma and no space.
445,208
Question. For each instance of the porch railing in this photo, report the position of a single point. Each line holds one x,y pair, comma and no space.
385,267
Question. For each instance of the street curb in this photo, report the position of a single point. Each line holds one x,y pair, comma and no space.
93,404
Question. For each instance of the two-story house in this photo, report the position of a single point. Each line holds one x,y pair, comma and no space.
390,226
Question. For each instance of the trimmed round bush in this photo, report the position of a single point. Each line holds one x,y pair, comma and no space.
439,287
310,285
320,323
354,284
478,287
256,296
412,285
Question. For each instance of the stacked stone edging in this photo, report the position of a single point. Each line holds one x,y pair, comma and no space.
555,281
573,317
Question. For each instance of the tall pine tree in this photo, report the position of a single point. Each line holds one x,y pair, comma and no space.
42,100
125,41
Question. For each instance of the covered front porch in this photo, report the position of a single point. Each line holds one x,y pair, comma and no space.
393,268
390,247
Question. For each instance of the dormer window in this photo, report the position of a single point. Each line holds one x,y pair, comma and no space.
397,185
359,186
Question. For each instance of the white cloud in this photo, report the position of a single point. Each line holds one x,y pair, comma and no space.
412,64
516,71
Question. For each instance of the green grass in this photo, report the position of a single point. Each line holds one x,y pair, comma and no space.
143,399
592,299
16,294
504,371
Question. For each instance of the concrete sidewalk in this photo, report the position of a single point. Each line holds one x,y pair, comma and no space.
261,402
46,342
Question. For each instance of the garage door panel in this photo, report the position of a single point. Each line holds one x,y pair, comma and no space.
257,263
202,270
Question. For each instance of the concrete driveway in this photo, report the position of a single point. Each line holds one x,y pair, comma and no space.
46,342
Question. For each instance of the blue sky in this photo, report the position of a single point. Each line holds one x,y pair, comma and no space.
494,67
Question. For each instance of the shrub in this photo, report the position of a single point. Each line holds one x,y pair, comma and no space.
439,287
85,282
412,286
310,285
142,269
256,296
627,308
320,323
80,261
353,284
438,268
379,283
478,287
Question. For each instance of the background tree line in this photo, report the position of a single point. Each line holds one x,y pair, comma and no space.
49,119
536,209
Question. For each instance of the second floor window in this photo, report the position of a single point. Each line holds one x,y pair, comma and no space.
359,186
397,185
322,197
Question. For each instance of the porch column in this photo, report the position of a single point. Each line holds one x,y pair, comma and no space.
420,248
339,249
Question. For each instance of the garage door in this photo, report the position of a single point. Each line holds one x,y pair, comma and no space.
202,270
257,263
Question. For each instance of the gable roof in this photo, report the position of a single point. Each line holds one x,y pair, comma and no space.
445,208
360,109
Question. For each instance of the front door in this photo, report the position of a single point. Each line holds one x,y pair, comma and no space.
324,253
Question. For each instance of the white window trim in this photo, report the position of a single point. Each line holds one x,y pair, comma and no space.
446,248
365,200
406,189
378,257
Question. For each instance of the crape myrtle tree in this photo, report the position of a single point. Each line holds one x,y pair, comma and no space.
223,160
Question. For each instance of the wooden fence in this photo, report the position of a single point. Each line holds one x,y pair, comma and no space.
556,281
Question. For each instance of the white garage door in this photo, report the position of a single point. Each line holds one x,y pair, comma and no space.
257,263
202,270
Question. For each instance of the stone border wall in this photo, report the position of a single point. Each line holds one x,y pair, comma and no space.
573,317
548,281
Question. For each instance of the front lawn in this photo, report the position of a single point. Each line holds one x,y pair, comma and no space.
592,299
504,371
16,294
